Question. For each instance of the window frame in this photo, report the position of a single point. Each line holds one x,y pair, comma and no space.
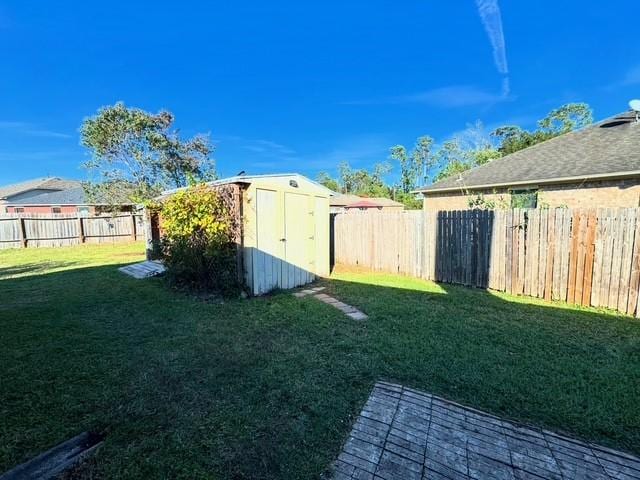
83,210
516,193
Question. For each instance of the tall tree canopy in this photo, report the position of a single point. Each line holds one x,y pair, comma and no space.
472,148
364,182
414,166
569,117
358,181
137,154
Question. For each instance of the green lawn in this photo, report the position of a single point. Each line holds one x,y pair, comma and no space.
267,387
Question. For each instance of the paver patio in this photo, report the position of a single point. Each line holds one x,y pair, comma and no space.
405,434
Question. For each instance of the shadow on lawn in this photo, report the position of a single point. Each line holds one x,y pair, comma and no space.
29,269
266,388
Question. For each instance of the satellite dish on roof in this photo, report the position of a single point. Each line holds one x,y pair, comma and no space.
635,106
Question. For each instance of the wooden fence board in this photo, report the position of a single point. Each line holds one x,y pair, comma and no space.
59,230
634,281
551,241
543,253
620,221
627,259
588,257
521,231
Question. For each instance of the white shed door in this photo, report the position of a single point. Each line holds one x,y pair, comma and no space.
300,242
267,261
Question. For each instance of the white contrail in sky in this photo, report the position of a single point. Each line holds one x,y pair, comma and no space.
489,11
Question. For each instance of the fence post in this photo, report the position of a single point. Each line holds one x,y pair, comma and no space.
133,226
23,232
80,229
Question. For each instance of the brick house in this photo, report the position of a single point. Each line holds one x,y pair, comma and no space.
49,195
598,166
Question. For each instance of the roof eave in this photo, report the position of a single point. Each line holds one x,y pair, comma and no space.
547,181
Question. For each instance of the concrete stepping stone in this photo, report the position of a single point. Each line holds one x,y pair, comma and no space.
348,310
149,268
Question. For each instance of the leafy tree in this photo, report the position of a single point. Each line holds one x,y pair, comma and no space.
136,154
453,159
564,119
485,155
363,182
513,138
415,165
200,233
325,179
422,158
407,176
567,118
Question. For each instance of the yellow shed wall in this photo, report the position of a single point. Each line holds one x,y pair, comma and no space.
305,253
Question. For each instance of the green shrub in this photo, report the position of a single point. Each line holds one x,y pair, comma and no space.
199,241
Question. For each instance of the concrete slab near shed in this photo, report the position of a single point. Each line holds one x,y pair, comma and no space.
146,269
403,434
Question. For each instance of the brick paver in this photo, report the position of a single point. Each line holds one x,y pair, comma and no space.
405,434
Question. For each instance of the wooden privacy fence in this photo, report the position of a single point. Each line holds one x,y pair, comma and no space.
586,257
59,230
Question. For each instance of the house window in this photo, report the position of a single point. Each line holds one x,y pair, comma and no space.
56,210
83,211
18,210
526,198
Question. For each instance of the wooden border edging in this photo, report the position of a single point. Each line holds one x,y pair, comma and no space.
59,459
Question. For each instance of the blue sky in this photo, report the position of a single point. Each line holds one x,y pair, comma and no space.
300,86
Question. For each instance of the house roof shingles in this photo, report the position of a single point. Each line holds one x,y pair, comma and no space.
48,183
606,149
71,196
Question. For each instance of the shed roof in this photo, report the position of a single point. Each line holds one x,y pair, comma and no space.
607,149
248,179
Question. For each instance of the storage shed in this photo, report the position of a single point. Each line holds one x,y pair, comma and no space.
285,230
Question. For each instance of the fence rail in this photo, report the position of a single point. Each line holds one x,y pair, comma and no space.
587,257
59,230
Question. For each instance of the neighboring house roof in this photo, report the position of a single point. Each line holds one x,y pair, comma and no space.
607,149
48,183
364,204
347,200
71,196
385,202
341,200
